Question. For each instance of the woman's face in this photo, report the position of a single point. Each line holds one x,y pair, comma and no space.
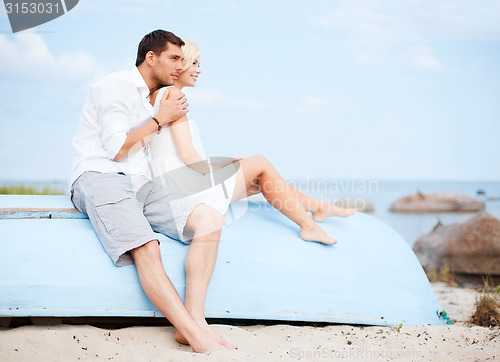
188,77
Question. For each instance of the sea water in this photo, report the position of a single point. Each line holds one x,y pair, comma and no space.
381,194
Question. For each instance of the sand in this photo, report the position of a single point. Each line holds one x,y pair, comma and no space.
459,342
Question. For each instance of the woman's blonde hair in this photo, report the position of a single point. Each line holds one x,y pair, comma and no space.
191,51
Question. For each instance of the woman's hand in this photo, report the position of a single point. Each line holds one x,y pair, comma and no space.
222,164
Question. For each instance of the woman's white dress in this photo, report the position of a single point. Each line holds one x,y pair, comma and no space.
186,188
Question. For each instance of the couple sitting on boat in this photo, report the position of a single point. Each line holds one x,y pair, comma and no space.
137,172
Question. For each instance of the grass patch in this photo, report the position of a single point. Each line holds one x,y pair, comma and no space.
487,313
444,275
28,190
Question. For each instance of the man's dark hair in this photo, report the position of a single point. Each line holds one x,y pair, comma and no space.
157,42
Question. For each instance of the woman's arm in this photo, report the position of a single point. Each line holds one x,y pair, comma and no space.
181,134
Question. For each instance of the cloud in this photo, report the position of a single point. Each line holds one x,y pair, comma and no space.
403,33
122,6
456,20
10,138
311,104
217,97
27,57
416,19
366,58
353,16
425,59
313,101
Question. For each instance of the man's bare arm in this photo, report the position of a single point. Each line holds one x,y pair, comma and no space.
171,109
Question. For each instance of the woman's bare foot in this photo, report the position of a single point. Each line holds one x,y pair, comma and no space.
316,233
327,210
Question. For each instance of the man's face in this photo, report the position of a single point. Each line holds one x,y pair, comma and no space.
167,65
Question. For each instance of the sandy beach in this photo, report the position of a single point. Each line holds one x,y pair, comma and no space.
459,342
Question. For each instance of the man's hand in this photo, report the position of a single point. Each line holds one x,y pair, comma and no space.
173,105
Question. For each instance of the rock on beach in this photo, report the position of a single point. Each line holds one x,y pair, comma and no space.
436,202
360,204
472,247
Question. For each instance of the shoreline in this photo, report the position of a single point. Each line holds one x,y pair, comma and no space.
459,342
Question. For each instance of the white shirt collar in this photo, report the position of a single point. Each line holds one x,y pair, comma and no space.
139,82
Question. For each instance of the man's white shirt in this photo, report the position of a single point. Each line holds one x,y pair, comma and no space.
115,105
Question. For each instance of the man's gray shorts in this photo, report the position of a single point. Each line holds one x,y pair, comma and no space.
123,218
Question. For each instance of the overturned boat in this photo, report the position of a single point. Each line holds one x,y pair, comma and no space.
54,265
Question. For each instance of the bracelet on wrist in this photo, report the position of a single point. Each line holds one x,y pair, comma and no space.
159,125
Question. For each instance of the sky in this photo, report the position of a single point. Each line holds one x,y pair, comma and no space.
325,89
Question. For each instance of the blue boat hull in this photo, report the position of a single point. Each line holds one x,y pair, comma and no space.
57,267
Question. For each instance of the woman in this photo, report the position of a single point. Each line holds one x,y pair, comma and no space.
184,170
191,181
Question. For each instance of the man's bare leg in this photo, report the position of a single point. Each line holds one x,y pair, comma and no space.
162,293
206,224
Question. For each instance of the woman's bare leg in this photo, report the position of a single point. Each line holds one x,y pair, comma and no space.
256,174
320,210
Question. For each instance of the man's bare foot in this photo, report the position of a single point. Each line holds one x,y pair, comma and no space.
327,210
206,327
316,233
207,344
203,344
180,338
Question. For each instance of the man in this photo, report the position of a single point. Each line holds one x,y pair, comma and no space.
110,184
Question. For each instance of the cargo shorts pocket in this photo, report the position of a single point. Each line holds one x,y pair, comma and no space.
114,208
